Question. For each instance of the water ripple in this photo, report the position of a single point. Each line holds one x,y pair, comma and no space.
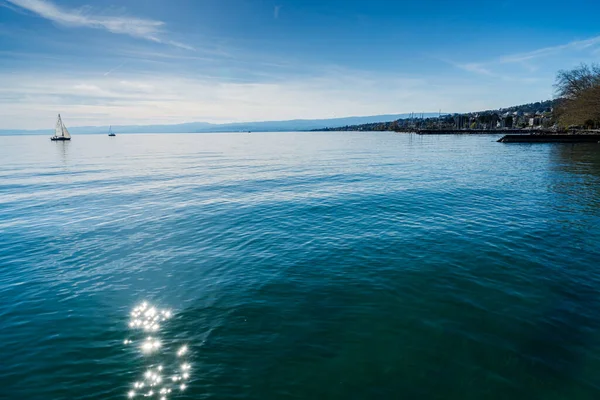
301,265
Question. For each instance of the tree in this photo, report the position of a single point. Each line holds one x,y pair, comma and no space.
579,93
570,84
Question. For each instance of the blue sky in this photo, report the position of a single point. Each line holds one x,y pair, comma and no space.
155,61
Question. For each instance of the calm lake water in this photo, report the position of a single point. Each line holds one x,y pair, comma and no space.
300,266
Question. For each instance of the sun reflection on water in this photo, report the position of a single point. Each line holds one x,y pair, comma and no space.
155,382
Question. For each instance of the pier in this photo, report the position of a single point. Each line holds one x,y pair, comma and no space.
474,131
552,138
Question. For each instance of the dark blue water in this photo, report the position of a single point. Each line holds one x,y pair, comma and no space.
300,265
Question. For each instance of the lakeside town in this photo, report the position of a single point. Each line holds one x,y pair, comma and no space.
528,116
575,109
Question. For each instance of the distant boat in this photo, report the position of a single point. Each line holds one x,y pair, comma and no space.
110,132
60,132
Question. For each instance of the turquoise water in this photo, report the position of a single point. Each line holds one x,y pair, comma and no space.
301,265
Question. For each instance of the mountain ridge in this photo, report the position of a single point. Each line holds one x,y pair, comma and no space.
206,127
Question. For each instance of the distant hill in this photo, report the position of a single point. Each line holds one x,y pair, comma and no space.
205,127
540,106
433,120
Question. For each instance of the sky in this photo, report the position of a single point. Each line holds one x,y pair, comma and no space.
109,62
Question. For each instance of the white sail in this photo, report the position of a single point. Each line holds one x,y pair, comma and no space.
61,130
59,127
66,132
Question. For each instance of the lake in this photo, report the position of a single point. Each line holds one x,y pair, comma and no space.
343,265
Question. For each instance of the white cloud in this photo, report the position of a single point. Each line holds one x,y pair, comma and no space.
145,98
138,86
147,29
84,87
476,68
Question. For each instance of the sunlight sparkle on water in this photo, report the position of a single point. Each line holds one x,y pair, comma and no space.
146,318
150,345
182,350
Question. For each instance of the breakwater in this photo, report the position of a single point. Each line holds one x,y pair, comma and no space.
551,138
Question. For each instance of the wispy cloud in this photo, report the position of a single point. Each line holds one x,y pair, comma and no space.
115,68
276,11
550,51
530,62
142,28
485,70
476,68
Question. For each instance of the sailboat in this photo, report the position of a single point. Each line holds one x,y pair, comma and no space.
110,132
60,132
